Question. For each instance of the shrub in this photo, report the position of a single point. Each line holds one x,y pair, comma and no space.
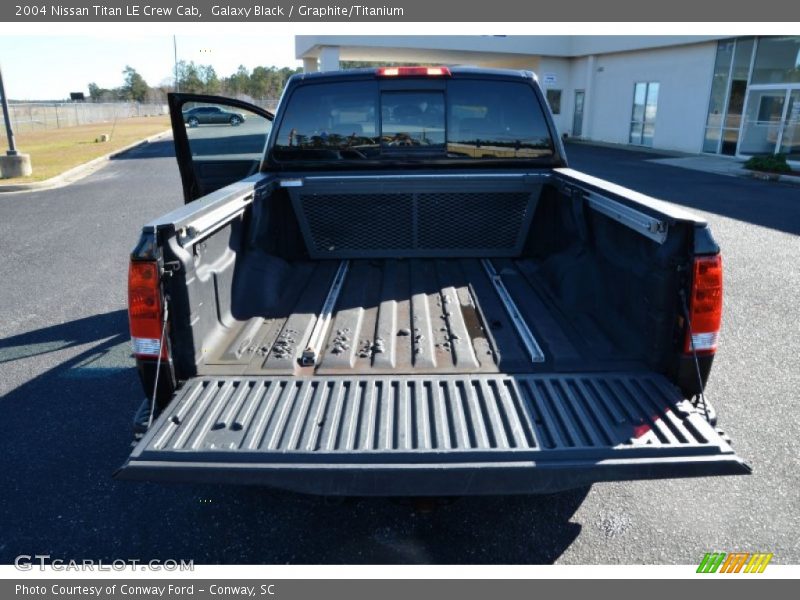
771,163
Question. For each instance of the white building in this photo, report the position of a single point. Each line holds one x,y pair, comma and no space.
728,96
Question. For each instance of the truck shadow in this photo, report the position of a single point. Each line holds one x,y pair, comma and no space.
66,335
67,429
481,530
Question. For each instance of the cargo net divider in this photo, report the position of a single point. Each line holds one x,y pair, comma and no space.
373,222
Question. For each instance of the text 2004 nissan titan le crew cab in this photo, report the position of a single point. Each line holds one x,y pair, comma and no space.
396,286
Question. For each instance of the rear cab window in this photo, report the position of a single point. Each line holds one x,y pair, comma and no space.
503,121
457,121
412,121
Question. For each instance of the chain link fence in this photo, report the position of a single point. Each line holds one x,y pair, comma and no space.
37,116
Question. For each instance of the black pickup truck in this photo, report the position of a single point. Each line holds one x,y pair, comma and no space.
396,286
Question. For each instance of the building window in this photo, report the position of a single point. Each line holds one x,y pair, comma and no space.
728,90
719,95
643,117
777,60
554,100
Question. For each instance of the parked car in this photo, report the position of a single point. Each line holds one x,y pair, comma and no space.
211,115
410,293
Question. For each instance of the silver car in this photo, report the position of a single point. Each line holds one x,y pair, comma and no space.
211,115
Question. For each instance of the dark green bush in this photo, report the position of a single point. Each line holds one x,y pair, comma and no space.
771,163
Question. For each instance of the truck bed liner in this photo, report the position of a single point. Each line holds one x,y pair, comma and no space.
446,434
414,316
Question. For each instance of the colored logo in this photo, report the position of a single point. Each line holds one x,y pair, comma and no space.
734,562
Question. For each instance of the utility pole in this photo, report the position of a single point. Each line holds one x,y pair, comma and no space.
175,57
12,146
13,164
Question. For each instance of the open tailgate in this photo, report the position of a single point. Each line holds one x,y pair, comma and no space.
418,435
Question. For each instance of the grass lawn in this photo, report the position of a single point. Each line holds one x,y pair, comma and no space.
54,151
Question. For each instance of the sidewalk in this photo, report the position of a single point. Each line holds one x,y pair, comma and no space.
724,166
719,165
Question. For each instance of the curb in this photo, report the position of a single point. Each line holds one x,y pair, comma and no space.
79,172
761,176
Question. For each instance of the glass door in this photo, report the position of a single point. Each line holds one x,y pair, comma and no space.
790,140
577,118
771,122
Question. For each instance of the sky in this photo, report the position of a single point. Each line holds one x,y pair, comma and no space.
50,67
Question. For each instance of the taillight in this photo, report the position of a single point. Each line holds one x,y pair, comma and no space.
145,311
705,306
412,72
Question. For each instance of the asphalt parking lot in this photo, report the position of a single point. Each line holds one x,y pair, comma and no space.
69,392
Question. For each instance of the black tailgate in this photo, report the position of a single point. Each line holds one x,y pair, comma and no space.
418,435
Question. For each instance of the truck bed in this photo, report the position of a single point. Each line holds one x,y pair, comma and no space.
416,316
311,362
